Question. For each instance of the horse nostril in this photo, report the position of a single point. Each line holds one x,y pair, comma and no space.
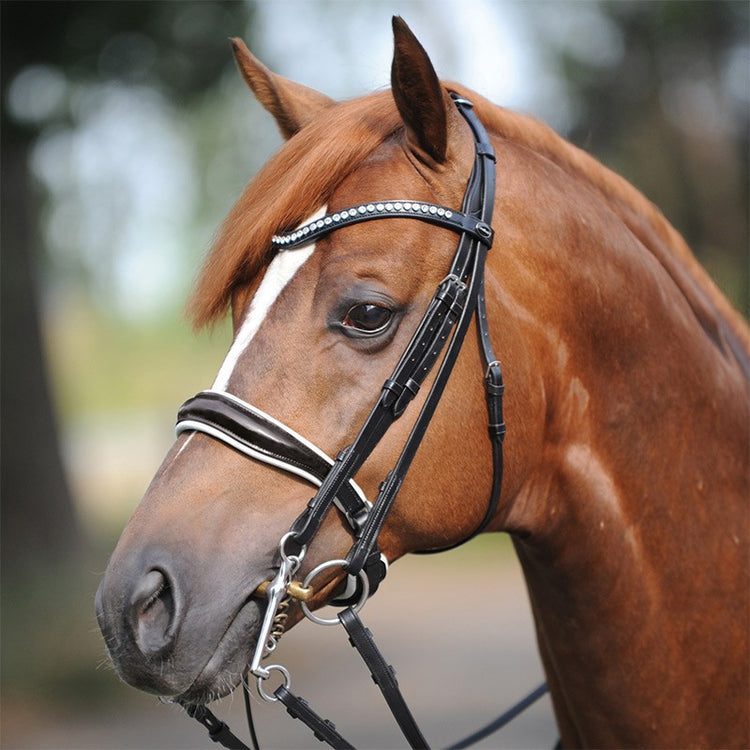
153,613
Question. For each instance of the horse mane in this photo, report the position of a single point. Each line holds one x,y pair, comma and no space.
721,322
307,169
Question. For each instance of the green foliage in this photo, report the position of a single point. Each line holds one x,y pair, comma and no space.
51,650
670,113
103,364
180,48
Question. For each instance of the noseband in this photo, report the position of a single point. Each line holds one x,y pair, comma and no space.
259,436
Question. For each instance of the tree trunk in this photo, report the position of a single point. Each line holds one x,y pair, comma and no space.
37,517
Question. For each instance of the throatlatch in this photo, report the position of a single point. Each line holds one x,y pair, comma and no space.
459,297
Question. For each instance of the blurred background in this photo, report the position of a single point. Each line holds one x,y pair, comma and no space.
126,136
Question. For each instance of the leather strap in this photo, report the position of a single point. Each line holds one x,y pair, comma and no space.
468,265
398,390
504,718
367,537
261,437
218,731
384,677
425,347
323,729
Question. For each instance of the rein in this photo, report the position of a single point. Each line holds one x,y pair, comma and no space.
459,297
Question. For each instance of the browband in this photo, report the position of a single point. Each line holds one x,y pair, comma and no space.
448,218
261,437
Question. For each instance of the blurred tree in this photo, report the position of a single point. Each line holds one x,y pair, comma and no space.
667,105
179,49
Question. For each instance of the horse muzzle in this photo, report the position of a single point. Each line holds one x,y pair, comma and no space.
165,636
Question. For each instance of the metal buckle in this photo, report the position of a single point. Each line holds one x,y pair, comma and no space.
490,366
484,230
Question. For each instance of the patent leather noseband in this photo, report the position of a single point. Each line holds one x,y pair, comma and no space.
259,436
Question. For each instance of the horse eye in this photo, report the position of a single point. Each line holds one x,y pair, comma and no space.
367,318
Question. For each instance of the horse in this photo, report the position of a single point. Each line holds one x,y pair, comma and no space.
625,470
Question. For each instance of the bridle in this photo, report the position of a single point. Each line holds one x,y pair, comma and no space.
458,298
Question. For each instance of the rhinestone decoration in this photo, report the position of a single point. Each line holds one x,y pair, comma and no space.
401,207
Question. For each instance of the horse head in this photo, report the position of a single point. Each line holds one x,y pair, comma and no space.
318,329
625,485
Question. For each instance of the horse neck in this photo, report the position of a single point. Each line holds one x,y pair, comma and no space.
636,494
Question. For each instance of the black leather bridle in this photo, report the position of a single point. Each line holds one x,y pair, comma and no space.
459,297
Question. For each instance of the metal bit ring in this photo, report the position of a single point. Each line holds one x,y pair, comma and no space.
356,607
270,697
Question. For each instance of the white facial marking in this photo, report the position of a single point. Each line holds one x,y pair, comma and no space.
278,274
179,452
184,445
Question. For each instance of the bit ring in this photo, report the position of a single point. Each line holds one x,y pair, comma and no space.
356,607
271,698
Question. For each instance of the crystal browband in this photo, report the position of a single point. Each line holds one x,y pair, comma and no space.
429,212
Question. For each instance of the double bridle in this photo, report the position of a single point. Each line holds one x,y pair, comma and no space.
259,436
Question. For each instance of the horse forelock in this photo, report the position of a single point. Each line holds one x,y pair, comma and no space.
296,181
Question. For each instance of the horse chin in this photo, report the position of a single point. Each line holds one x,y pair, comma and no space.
223,671
225,668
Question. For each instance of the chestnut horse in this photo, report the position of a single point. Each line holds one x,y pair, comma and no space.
626,462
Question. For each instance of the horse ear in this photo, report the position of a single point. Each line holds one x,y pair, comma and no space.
292,104
423,103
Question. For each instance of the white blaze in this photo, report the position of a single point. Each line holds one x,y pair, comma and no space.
279,273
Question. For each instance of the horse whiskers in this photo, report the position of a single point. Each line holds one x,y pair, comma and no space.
106,663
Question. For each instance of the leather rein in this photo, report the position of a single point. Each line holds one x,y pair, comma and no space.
243,427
